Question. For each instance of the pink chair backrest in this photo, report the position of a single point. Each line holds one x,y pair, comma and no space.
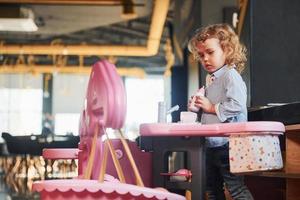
105,101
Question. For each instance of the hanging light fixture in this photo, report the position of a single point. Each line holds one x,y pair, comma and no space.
19,19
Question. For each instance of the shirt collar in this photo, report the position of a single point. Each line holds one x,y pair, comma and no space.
220,71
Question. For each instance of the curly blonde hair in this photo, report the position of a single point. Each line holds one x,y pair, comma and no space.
229,41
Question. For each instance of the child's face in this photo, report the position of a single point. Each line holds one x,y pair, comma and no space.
212,56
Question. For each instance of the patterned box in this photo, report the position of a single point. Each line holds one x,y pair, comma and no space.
249,153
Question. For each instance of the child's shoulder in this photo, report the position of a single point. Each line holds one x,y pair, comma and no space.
232,70
232,73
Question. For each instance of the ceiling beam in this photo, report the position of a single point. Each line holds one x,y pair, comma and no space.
159,15
73,2
137,72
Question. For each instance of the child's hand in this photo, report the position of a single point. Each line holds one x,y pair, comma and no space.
191,104
205,104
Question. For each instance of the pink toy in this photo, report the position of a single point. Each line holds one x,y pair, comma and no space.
105,107
200,93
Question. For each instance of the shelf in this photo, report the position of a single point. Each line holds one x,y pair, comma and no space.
276,174
292,128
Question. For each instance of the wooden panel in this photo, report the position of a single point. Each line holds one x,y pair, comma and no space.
293,189
292,161
295,128
276,174
292,152
266,188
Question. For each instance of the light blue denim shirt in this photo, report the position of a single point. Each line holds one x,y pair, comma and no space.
229,94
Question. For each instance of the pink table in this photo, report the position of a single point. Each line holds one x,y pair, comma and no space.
165,138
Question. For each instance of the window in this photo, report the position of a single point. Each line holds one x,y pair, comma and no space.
143,96
68,98
21,111
67,123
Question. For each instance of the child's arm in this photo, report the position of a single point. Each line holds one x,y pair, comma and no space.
235,101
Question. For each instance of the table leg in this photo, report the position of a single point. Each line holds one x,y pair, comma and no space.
195,161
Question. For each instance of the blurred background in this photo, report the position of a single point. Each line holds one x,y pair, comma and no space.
47,48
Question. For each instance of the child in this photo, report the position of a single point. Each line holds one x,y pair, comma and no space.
218,49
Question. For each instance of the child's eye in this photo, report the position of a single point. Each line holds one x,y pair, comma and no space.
210,52
201,55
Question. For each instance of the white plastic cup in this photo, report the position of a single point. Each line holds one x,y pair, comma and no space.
188,117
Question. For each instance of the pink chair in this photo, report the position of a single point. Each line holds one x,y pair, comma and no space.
105,107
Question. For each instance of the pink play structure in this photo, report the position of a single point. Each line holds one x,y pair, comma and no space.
105,107
116,176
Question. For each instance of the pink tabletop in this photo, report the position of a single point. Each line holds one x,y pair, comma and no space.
221,129
92,189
